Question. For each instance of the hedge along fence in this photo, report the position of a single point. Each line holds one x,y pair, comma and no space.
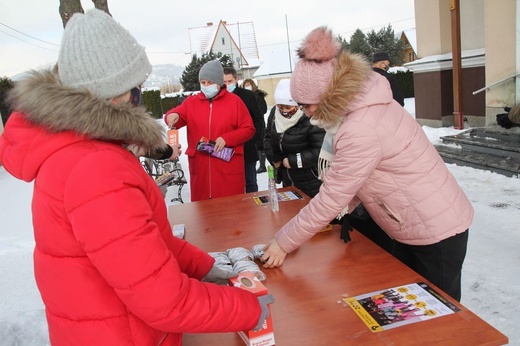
157,105
152,102
405,81
169,102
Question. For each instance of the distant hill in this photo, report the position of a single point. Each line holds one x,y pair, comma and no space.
161,75
164,75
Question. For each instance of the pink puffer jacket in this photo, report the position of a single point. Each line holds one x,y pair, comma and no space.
382,157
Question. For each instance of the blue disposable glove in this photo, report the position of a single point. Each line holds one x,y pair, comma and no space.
264,300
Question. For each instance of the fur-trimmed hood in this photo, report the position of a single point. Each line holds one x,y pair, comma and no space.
350,89
46,102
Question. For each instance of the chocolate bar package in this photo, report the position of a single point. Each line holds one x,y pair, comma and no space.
208,146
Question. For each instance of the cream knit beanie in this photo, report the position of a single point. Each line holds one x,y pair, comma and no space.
282,93
99,55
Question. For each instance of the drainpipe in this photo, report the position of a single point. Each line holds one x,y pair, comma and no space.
458,114
517,24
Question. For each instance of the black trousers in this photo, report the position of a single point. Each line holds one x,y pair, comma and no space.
370,229
440,263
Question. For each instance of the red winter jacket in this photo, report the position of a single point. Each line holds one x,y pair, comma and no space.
225,116
107,266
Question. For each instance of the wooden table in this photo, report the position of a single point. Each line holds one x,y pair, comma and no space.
309,286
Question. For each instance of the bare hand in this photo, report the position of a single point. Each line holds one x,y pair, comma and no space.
277,164
286,163
273,255
176,152
220,143
171,119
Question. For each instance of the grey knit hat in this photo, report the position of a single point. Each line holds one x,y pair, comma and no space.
99,55
212,71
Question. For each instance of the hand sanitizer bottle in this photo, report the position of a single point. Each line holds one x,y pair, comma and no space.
273,194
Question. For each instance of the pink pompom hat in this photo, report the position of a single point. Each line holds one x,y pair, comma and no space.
314,71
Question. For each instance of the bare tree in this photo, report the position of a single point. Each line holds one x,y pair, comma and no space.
69,7
101,5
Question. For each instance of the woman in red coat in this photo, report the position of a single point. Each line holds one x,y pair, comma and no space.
217,115
107,266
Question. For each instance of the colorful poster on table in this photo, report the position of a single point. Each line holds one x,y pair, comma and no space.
398,306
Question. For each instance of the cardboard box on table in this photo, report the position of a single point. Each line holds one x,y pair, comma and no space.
265,336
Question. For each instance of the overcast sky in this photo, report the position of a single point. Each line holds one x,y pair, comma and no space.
30,31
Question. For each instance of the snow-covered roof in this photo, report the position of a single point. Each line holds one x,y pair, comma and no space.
245,34
277,63
201,39
411,35
469,58
241,34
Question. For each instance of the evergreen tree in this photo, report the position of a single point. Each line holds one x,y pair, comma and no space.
190,76
358,44
385,41
5,85
344,42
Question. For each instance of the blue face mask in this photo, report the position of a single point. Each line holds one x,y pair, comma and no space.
209,91
231,87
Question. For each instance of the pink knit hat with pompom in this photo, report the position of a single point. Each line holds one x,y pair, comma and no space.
313,72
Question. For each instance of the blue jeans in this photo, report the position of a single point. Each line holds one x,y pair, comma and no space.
251,185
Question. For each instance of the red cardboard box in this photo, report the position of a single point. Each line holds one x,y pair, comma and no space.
265,336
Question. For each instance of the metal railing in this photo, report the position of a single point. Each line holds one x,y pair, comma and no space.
496,83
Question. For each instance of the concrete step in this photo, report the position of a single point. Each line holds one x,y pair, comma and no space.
491,143
507,166
491,148
511,135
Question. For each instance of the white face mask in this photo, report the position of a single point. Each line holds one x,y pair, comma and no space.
231,87
209,91
248,87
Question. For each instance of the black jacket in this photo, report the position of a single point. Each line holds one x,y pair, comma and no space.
301,145
260,98
396,91
249,98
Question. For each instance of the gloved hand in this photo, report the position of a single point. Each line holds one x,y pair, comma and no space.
219,276
162,153
345,228
360,213
264,300
504,121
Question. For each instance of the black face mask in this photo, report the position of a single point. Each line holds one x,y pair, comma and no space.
136,97
288,114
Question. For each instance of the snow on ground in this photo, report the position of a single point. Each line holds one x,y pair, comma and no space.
491,280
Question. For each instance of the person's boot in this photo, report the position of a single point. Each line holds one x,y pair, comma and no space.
261,168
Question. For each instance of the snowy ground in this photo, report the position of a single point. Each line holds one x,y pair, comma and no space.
491,280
